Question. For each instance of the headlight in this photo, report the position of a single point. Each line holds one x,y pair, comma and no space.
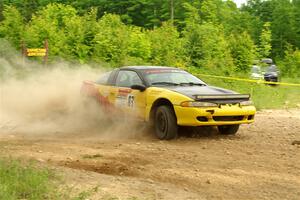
246,103
197,104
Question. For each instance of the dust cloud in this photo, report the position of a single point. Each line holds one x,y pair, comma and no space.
47,101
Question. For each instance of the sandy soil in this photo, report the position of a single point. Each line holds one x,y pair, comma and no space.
261,162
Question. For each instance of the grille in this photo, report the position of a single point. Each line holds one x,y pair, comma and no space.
228,118
202,119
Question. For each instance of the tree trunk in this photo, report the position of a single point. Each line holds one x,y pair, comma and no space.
172,10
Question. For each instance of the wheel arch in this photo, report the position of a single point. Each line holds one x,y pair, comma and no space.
156,104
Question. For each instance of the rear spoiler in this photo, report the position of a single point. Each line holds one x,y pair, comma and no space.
223,98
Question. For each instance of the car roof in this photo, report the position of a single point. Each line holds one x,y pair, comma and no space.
147,67
267,60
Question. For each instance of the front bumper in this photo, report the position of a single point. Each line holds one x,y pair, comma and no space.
214,116
271,78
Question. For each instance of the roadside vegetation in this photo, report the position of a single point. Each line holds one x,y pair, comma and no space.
19,180
212,35
31,181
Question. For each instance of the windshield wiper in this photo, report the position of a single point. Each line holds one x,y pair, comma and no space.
164,83
192,83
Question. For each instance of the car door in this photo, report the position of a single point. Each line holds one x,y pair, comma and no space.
102,91
131,101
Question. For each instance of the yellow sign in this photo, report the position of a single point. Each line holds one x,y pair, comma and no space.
36,52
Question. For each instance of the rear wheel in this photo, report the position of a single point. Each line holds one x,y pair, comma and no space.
228,129
165,123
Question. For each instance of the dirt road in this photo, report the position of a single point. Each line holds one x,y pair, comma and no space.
261,162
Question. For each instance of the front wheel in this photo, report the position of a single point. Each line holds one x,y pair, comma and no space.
165,123
228,129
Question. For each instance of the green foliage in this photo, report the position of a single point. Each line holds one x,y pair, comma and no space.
80,31
192,13
167,48
284,18
283,26
25,182
296,6
111,40
242,50
28,180
290,65
139,44
265,41
209,34
207,47
209,11
145,13
1,10
12,26
50,23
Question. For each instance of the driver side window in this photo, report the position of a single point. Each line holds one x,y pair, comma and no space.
127,79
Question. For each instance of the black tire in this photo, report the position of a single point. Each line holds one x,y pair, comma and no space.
228,129
165,123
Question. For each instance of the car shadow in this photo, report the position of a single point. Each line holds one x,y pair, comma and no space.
203,132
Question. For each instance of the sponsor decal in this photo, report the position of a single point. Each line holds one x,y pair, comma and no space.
124,92
124,98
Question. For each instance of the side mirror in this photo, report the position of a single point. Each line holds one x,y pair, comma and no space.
138,87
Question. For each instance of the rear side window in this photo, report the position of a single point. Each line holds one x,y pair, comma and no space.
103,79
127,79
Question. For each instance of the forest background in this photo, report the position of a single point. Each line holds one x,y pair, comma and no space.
211,35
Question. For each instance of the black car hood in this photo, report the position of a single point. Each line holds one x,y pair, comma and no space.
209,94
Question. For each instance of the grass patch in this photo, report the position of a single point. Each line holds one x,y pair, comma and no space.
27,180
20,180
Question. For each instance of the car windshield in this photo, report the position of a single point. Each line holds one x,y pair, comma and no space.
171,77
272,68
256,69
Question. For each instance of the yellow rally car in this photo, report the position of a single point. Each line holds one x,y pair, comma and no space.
168,97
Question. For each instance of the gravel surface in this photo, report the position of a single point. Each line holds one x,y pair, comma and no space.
261,162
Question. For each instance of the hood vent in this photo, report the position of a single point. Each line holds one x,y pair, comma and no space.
223,99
